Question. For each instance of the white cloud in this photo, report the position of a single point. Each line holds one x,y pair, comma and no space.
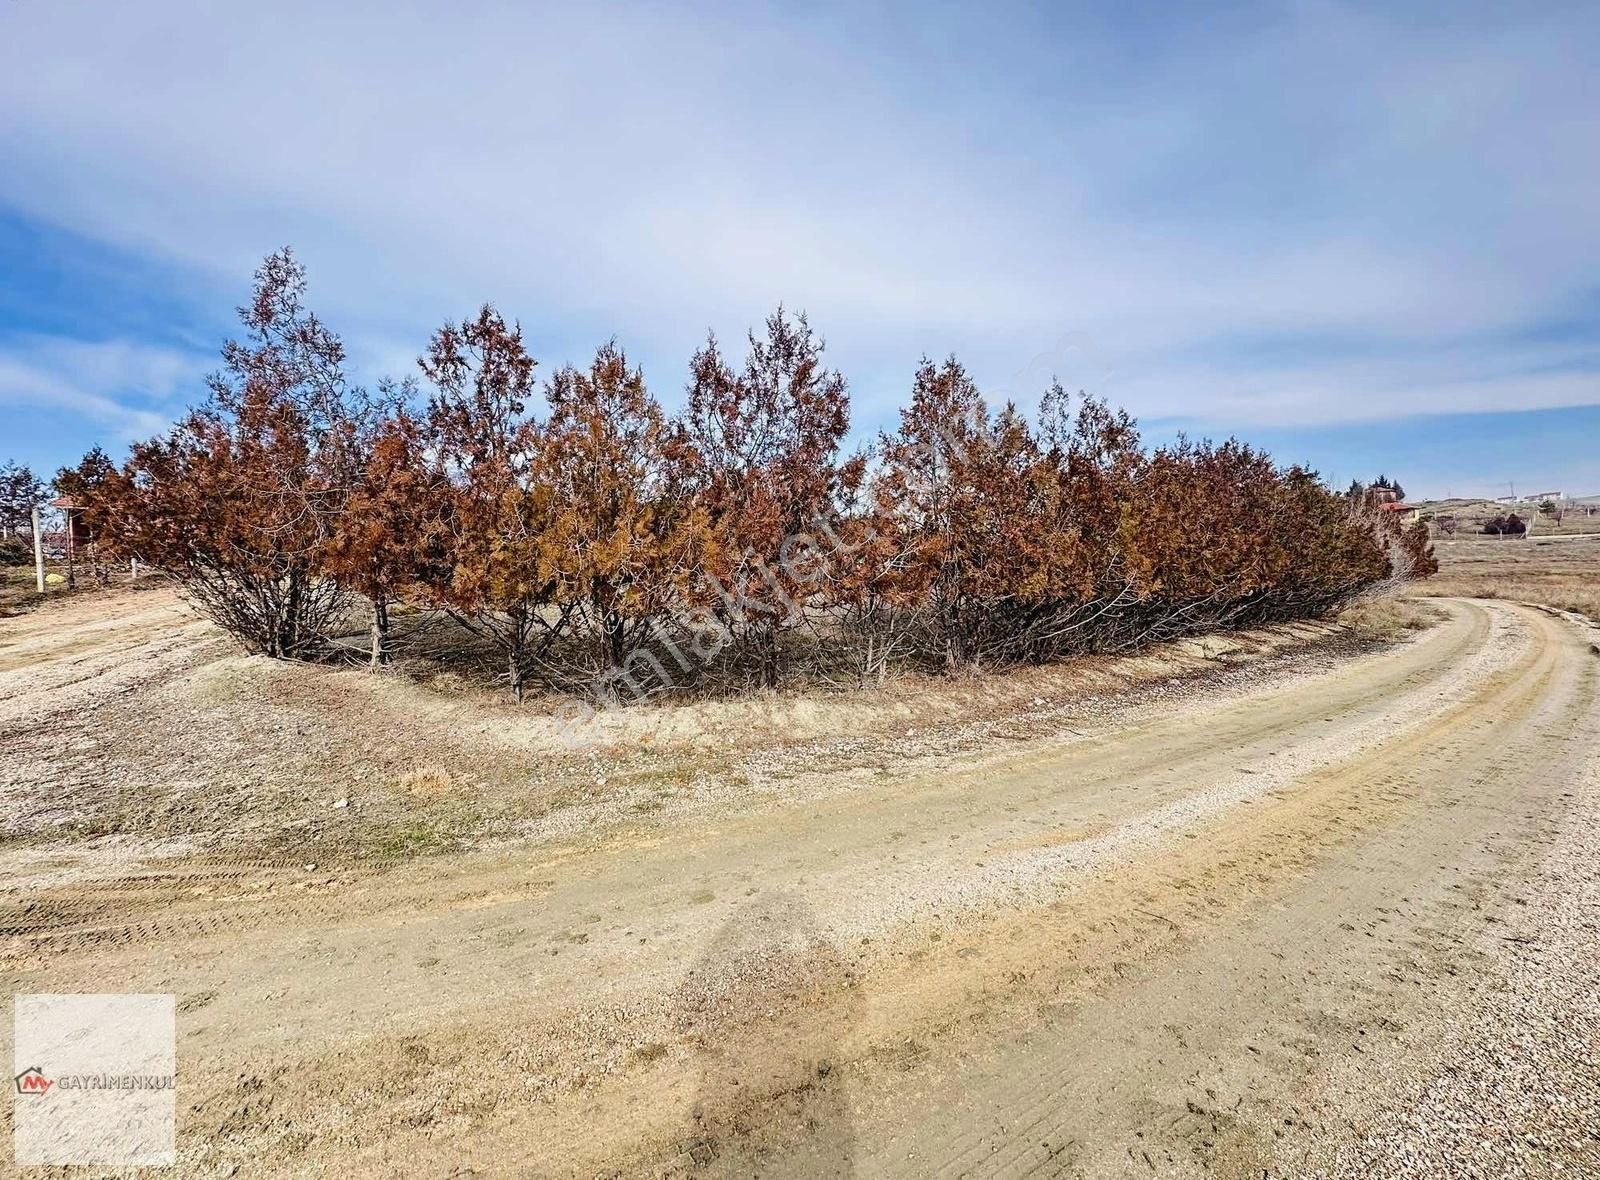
133,390
917,182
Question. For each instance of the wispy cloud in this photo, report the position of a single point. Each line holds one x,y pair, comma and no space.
1302,213
132,390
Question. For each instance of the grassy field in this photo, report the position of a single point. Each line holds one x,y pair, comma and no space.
19,588
1559,571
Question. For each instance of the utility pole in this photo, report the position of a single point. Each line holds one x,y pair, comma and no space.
38,549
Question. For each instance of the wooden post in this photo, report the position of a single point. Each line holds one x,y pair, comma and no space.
38,549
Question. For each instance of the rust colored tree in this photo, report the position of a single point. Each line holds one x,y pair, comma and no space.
499,580
767,471
82,484
961,495
623,536
238,501
592,544
391,539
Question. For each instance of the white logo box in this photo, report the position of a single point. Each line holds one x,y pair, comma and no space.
95,1079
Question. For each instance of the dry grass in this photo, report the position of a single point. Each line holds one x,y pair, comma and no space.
315,763
1554,572
427,780
19,589
1386,617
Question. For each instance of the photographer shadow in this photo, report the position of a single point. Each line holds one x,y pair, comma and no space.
768,1007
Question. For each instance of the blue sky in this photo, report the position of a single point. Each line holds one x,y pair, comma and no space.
1362,235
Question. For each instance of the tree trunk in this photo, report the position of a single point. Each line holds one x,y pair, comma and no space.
769,657
514,666
289,621
380,631
615,638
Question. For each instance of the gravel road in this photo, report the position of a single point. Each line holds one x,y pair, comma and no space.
1341,923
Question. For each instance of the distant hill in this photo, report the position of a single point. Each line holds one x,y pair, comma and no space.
1582,514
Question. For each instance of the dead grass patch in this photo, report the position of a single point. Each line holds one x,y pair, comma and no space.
427,781
1386,618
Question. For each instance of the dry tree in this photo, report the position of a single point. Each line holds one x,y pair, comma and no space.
237,502
609,544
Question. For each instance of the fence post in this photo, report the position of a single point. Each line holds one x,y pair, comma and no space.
38,549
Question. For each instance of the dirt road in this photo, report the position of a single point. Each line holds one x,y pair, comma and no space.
1286,929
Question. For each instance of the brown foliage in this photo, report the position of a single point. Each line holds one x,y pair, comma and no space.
764,465
612,545
624,535
498,581
239,499
390,541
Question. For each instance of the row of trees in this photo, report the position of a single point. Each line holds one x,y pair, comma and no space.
21,491
591,538
1381,490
